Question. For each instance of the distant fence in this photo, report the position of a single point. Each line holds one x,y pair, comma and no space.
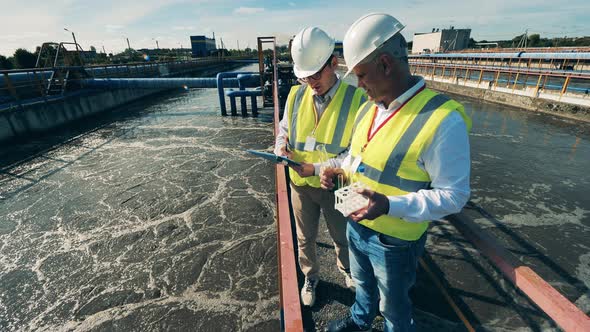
564,86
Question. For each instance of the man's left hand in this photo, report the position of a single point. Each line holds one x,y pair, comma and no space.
304,170
378,205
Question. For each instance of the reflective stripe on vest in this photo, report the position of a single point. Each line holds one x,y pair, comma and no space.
294,111
361,114
334,147
389,175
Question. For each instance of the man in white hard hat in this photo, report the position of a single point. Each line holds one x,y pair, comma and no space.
320,111
410,149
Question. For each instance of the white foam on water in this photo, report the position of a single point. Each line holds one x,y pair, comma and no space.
534,208
569,183
489,156
549,218
583,270
491,135
583,274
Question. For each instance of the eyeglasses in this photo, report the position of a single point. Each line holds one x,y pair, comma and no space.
318,74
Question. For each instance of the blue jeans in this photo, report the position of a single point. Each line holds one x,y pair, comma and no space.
383,269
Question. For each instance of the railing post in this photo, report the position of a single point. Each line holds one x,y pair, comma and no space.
244,106
536,94
496,79
480,76
515,81
232,103
11,88
39,83
254,106
526,78
565,84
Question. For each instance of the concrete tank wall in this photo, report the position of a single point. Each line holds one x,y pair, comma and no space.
22,123
557,108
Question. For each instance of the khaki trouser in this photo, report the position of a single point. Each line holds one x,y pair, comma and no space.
307,202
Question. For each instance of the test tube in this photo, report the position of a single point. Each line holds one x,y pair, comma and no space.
323,156
341,183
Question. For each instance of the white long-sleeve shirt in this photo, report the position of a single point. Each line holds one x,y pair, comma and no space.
446,160
320,103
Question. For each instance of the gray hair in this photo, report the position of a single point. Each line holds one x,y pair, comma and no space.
396,47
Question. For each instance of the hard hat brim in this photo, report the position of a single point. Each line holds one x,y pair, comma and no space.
303,73
347,72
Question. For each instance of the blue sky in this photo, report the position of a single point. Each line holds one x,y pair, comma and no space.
27,24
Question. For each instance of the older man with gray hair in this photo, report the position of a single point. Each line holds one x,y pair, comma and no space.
410,150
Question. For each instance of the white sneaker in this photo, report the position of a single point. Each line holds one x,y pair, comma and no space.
308,292
349,282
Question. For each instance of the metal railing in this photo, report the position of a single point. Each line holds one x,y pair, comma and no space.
534,82
20,85
290,306
566,62
527,49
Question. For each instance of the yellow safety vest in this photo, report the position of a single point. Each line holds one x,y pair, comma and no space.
390,157
333,128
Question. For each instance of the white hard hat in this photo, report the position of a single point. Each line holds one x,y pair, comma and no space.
310,50
366,34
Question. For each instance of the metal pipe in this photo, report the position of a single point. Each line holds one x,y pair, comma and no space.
220,85
156,83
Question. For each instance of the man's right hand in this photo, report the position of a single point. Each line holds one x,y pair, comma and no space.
327,176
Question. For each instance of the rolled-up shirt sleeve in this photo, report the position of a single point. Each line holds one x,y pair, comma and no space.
281,139
340,160
447,161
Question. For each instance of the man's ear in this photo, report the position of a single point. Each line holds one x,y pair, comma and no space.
334,63
387,63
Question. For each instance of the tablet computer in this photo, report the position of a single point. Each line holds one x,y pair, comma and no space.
274,158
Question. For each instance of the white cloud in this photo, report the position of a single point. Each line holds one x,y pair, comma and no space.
110,22
182,28
113,27
248,10
292,4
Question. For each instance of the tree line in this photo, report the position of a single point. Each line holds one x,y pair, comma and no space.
535,40
22,58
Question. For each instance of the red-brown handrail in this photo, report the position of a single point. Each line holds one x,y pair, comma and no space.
554,304
291,318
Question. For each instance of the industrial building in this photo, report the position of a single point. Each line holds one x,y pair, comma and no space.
202,46
338,50
443,40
